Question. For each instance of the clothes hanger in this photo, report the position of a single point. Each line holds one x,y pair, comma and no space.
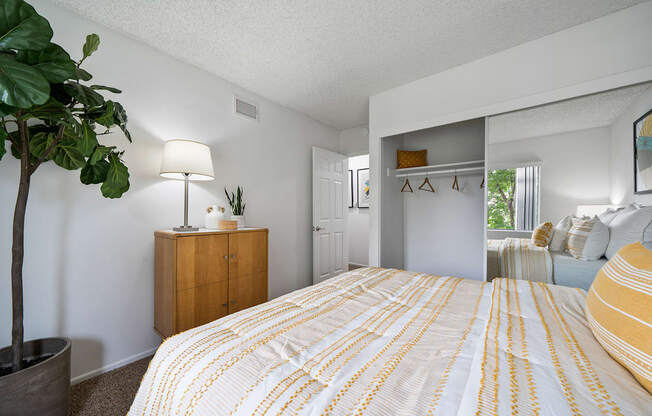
455,186
426,186
406,184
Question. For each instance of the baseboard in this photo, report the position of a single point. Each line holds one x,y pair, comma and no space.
112,366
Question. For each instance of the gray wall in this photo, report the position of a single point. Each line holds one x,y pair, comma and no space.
89,261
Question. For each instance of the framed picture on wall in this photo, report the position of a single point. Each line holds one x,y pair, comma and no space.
364,191
350,188
643,154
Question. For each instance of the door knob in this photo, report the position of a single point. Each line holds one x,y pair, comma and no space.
225,304
232,256
226,257
318,228
233,302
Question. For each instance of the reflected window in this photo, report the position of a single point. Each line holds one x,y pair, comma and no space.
513,198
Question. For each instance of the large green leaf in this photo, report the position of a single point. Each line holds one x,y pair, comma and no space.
120,117
3,137
104,87
104,117
87,140
52,110
15,152
68,156
99,153
6,110
21,85
94,173
117,178
39,142
82,75
53,62
91,45
84,94
22,28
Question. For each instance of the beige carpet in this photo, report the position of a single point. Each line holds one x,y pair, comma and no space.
110,393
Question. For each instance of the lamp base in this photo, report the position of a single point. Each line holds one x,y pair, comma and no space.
185,228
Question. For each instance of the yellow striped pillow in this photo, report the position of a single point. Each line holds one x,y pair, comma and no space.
619,310
587,239
542,235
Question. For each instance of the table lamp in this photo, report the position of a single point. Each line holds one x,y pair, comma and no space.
190,161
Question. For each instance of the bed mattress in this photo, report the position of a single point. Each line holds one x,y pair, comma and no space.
379,341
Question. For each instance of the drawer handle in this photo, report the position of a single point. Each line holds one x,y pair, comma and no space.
232,302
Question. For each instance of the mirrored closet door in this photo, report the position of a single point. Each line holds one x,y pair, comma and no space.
567,185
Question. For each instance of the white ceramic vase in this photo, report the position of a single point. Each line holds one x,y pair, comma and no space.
213,215
240,219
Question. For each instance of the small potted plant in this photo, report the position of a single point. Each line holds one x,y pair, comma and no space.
237,206
48,115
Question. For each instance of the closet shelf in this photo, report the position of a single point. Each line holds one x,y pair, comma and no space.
458,168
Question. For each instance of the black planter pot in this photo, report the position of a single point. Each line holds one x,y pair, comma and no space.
42,389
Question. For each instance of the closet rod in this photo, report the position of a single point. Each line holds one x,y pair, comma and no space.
460,171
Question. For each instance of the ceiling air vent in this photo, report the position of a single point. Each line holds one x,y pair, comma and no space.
246,109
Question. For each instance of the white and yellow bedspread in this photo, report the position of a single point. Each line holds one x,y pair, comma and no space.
519,258
378,341
539,357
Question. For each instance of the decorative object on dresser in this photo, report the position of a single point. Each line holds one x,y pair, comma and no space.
202,276
190,161
48,113
227,225
237,206
213,216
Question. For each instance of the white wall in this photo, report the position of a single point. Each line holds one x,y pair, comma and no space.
574,171
595,56
89,261
358,219
621,168
354,141
444,231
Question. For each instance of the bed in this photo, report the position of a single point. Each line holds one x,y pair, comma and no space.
391,342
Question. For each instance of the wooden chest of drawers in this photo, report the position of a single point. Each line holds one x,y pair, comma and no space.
205,275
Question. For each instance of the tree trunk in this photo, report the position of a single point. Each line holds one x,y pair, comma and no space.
17,253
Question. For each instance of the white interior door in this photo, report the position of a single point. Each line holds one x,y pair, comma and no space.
330,243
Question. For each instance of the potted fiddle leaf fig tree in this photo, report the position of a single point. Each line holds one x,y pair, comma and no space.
50,113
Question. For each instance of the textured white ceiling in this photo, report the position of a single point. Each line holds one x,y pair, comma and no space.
325,58
590,111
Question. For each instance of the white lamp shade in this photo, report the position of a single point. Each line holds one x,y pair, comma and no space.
187,157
